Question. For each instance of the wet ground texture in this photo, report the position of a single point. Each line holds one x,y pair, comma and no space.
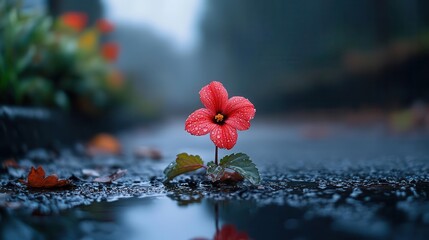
324,180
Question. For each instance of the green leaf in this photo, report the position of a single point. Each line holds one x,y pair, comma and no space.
184,163
25,60
242,164
214,172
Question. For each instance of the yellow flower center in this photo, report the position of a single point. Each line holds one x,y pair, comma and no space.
219,118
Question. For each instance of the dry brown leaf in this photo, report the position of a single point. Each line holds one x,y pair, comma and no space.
103,144
37,179
112,177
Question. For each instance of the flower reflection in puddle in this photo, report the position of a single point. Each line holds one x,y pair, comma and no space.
161,218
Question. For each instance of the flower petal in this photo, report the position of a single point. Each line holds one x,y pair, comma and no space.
224,136
214,96
239,111
200,122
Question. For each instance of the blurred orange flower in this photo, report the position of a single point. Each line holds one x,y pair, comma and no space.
105,26
110,51
74,20
103,143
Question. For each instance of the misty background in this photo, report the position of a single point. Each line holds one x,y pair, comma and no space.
284,56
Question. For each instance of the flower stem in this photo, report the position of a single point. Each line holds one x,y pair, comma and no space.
216,154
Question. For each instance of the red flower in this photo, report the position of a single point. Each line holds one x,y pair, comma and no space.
222,117
229,232
110,51
104,26
74,20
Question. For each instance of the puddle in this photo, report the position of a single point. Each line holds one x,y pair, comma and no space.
159,218
164,218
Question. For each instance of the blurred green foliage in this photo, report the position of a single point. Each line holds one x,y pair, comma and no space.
46,62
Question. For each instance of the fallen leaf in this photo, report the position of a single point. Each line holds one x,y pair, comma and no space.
103,144
10,163
37,179
148,152
112,177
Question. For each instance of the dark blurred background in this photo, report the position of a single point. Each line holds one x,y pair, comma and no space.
324,54
286,56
